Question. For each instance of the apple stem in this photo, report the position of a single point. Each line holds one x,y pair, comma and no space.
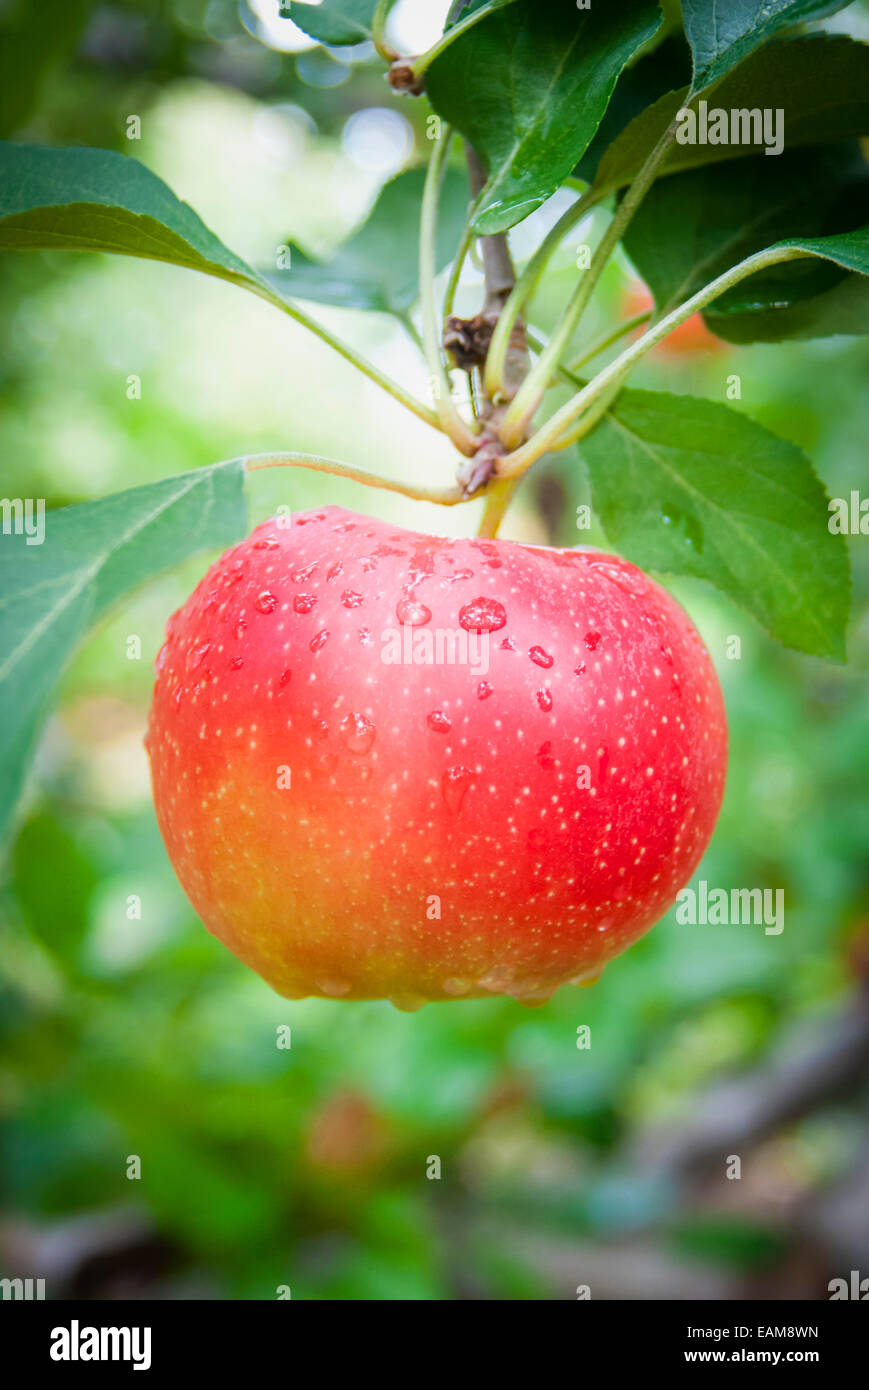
552,431
524,287
497,502
601,344
525,403
445,497
456,269
451,421
408,74
378,25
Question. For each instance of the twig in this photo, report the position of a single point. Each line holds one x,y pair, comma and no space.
446,497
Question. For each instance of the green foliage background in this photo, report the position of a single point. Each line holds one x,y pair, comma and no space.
265,1167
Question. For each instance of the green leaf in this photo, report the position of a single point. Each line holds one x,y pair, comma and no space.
377,267
820,82
334,21
97,200
749,315
848,249
843,309
722,33
692,487
528,87
56,905
694,226
91,555
770,298
653,75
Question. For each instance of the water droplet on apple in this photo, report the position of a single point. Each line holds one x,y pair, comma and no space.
407,1003
454,786
411,613
629,581
545,757
544,700
586,981
439,722
592,640
358,732
266,602
541,658
484,690
335,988
303,603
319,639
497,979
197,655
483,615
351,599
533,1001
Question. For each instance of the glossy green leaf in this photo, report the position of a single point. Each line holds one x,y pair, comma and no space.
722,33
696,225
841,310
528,87
847,249
54,589
97,200
377,267
692,487
667,68
334,21
820,82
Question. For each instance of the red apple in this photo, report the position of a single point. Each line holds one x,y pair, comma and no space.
689,339
419,829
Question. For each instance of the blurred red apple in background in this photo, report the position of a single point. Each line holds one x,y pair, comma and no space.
690,338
